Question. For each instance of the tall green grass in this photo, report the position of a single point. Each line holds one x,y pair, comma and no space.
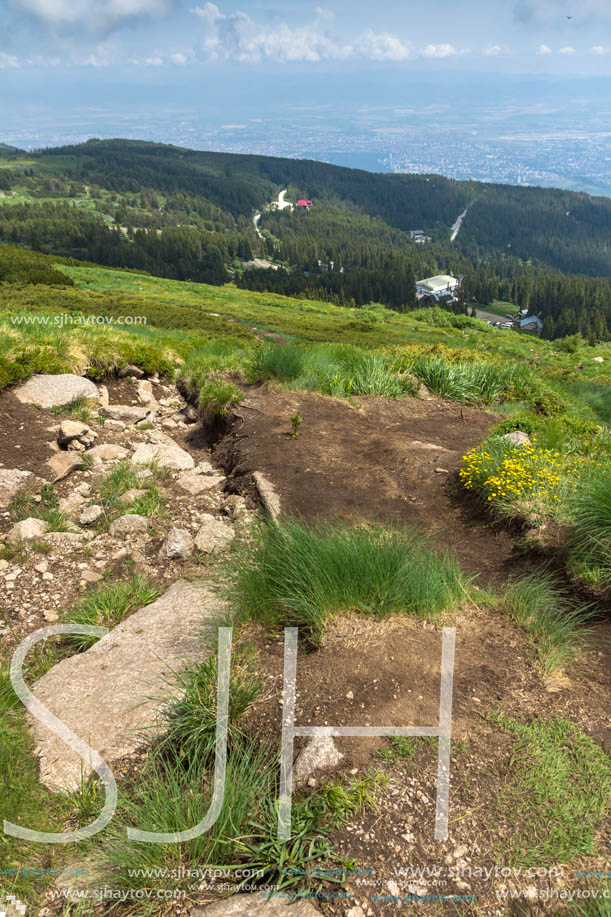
555,625
107,605
297,576
590,510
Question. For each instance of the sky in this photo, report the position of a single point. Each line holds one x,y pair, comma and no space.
258,36
182,71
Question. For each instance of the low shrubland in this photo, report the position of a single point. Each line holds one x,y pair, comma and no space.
299,576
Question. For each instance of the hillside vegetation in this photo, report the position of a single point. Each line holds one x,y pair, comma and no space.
188,215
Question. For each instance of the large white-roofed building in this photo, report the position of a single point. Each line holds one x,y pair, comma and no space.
441,286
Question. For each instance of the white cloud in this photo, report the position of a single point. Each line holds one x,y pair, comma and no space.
544,49
236,36
495,50
153,62
382,46
93,16
600,50
567,50
8,61
442,50
178,58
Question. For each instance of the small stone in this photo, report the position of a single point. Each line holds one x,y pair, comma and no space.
107,452
441,471
61,465
350,695
103,396
194,483
213,534
130,524
177,544
518,438
26,530
73,433
41,567
47,576
91,514
90,576
83,489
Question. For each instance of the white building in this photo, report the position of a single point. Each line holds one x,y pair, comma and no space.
440,287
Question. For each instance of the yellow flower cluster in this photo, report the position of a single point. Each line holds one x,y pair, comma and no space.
522,471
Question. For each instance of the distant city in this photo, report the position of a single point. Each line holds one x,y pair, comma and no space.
551,141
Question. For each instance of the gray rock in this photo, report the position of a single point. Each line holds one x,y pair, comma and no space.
165,452
195,483
177,545
130,524
26,530
73,433
213,535
118,425
90,514
256,905
103,396
131,370
268,494
65,540
235,506
145,392
61,465
319,755
126,412
14,482
49,391
112,694
598,359
517,437
71,505
107,452
130,495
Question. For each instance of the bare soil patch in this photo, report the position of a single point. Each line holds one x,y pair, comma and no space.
370,672
373,459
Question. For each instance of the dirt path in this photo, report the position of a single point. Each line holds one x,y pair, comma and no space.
390,461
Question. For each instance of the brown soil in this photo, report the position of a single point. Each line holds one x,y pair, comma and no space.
25,439
390,671
374,459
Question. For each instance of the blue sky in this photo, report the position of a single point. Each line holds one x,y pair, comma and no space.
258,36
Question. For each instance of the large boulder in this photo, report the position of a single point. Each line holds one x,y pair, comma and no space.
14,482
112,694
52,391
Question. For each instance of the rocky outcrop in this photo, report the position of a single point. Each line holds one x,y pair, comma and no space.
51,391
75,435
112,694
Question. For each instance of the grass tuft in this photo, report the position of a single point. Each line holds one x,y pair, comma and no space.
555,625
107,605
297,576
